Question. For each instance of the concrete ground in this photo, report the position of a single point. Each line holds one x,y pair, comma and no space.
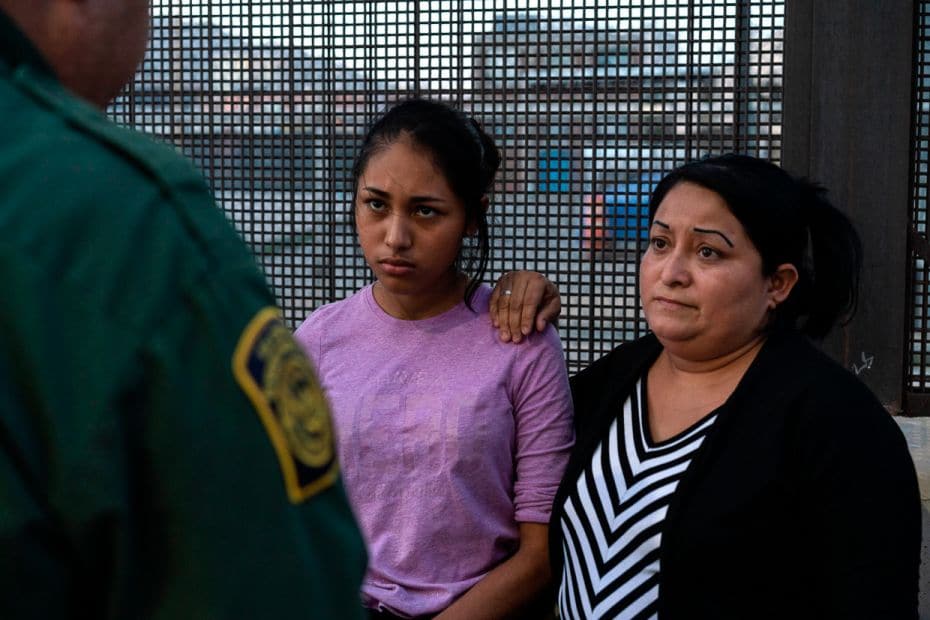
917,432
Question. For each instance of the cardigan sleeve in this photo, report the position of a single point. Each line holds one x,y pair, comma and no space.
864,504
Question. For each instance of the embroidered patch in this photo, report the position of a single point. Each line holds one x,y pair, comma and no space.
279,380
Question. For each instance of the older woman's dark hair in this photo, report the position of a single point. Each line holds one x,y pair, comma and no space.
791,221
465,155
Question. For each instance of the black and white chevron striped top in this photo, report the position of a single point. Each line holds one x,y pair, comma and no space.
612,523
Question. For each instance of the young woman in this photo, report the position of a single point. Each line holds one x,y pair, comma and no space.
452,443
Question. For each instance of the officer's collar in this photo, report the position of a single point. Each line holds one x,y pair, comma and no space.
16,49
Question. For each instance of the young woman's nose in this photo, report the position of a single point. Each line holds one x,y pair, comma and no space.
397,236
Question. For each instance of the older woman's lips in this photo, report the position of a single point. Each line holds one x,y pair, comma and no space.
666,302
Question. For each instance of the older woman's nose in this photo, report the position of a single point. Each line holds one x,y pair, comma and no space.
676,269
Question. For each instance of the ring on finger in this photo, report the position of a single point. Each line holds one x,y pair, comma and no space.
506,291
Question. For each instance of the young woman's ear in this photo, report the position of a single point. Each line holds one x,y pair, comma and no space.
781,282
472,229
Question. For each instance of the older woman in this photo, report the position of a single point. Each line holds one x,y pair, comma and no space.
724,467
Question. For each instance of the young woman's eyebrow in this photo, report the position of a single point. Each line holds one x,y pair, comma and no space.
710,231
662,224
380,193
419,199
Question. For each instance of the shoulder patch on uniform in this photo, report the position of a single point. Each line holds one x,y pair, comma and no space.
279,380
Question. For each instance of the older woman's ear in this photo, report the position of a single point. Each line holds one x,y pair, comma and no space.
781,283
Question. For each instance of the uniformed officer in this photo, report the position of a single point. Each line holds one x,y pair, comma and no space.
165,450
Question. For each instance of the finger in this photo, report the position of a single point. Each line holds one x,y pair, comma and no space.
532,298
551,307
494,303
514,315
500,317
503,314
499,305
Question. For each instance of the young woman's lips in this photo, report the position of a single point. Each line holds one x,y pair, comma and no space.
395,267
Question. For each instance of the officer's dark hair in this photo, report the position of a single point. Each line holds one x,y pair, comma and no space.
789,220
461,150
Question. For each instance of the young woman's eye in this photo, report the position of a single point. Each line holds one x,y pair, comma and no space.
375,205
426,211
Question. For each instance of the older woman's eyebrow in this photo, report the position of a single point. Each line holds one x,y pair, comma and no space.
662,224
375,191
710,231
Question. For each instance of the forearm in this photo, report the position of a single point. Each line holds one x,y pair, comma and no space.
509,590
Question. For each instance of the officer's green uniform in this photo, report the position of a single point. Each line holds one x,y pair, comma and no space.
165,451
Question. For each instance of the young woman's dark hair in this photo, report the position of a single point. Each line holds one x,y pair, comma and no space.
461,150
791,221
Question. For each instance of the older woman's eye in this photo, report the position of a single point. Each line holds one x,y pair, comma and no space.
658,243
706,252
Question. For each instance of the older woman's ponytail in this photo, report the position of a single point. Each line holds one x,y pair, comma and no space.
833,261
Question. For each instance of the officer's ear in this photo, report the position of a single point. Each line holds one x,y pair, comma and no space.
93,46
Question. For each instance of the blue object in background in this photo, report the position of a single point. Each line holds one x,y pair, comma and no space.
555,171
626,207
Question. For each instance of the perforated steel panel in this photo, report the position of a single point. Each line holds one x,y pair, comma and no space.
590,101
918,371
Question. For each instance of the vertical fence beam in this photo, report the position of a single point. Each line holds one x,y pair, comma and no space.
847,123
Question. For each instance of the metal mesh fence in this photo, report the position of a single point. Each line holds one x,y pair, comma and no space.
918,370
590,102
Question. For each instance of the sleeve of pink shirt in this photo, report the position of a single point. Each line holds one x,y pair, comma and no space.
543,418
308,336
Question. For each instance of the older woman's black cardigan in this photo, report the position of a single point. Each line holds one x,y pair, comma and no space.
801,503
